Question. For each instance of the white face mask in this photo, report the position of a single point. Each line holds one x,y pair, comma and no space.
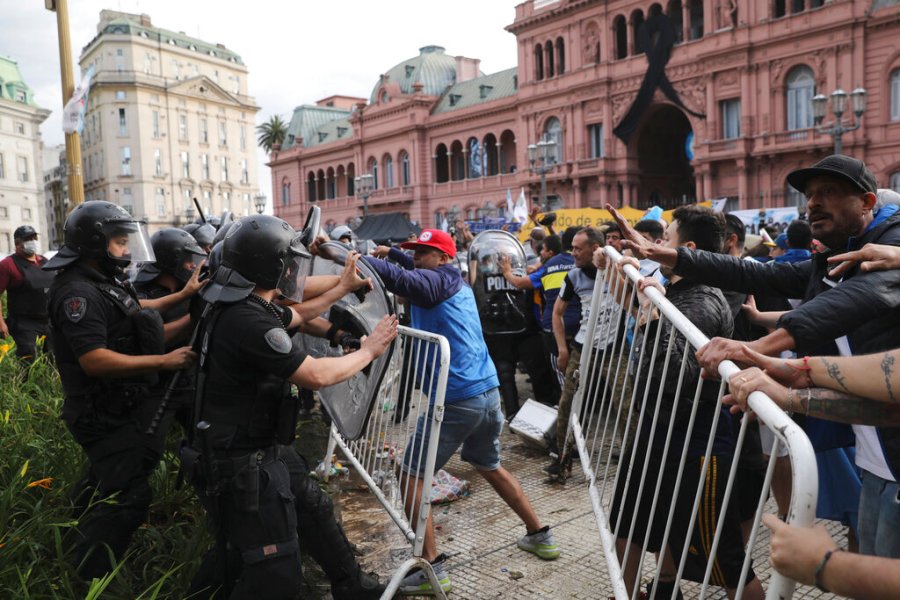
30,247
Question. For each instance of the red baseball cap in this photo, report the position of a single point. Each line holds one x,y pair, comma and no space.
433,238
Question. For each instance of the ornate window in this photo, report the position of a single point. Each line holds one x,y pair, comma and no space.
801,86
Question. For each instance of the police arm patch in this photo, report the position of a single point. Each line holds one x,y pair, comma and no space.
75,308
278,340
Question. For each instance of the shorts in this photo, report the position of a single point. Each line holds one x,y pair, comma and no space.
474,423
730,550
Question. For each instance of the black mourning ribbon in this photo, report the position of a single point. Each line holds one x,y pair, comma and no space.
655,77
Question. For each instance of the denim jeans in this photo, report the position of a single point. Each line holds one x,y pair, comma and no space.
474,423
879,517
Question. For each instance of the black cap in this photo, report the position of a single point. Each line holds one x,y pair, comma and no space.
843,167
24,231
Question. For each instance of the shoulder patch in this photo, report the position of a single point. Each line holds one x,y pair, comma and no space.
75,308
278,340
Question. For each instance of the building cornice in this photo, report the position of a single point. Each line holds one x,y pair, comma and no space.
548,15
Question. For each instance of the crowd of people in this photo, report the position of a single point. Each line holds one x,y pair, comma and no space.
194,329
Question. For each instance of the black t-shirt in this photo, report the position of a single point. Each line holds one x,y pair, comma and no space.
82,317
248,345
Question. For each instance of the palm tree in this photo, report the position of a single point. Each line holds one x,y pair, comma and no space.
272,134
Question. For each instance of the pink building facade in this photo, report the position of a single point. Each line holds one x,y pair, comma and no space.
648,103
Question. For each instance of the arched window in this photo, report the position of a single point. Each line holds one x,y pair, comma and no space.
330,184
489,147
285,192
801,86
388,171
311,187
548,58
895,95
673,10
538,62
320,184
351,183
620,32
895,182
441,164
404,169
476,158
655,10
373,171
696,19
637,20
457,161
553,131
560,56
507,152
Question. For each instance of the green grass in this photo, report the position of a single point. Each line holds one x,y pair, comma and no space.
38,460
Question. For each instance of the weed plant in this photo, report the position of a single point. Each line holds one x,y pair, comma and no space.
39,460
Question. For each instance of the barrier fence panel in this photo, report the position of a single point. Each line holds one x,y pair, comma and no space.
413,388
677,491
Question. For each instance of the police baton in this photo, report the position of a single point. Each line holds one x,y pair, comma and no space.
170,389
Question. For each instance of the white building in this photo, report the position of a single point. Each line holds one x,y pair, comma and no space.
21,171
168,120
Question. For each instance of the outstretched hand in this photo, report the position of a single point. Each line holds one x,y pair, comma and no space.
871,257
382,336
350,278
194,284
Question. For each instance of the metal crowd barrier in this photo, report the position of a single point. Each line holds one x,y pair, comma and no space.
610,410
417,372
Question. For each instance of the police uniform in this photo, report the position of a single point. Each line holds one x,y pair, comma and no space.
107,417
254,485
26,304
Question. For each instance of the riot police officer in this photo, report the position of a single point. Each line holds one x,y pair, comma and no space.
178,255
204,233
253,484
108,352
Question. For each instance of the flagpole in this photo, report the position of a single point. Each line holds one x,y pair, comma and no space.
73,140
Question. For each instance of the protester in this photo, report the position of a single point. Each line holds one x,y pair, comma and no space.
442,303
853,314
579,283
705,307
26,286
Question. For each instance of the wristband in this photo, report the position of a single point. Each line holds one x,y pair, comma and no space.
821,568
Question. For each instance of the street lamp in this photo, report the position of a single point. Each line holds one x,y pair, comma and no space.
838,106
363,184
259,201
189,213
542,158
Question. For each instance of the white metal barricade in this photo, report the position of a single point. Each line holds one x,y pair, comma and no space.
639,416
413,389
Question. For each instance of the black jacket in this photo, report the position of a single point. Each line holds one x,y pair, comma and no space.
864,306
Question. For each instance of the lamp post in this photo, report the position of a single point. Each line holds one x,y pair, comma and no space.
542,158
363,184
838,106
259,201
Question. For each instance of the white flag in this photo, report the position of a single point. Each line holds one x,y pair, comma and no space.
445,226
73,113
510,207
520,213
718,205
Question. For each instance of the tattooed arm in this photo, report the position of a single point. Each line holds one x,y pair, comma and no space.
817,402
875,376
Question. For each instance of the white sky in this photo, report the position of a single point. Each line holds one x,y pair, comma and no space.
297,51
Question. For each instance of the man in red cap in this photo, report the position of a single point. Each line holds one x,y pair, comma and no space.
442,303
26,288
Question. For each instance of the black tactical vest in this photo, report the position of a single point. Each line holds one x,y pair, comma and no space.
32,297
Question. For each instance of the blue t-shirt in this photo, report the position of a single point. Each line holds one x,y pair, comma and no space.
549,279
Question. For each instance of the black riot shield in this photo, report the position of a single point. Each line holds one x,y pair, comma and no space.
501,306
349,403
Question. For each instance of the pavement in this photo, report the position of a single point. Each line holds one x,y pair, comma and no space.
479,534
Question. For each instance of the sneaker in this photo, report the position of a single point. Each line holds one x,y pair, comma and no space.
418,584
540,543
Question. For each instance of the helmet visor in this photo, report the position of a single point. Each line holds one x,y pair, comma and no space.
128,241
298,267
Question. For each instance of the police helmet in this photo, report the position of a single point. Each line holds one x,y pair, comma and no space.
89,229
173,247
204,233
222,232
341,231
267,251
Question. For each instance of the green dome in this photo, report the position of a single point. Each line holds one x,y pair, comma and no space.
432,68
